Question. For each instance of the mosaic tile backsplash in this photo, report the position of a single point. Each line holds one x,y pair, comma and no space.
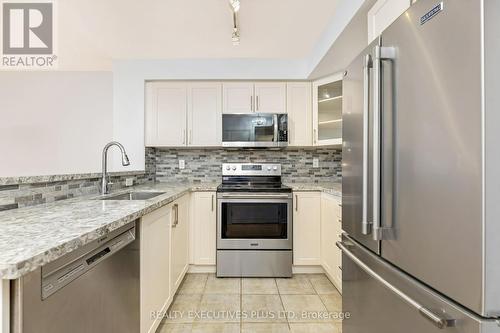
204,165
30,194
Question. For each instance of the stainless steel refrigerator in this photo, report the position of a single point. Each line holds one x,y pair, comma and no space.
421,174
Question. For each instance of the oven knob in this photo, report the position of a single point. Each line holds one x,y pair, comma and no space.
268,168
275,168
234,168
228,167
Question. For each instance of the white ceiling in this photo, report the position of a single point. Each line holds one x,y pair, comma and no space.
352,40
93,32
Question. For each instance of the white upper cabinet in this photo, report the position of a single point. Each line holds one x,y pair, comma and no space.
299,109
238,97
165,117
205,114
248,97
182,114
327,111
270,97
382,14
189,113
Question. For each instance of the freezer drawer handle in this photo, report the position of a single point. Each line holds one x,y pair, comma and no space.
439,322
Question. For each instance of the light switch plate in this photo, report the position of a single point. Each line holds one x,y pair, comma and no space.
315,162
182,164
129,181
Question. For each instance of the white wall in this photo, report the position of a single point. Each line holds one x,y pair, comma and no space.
54,122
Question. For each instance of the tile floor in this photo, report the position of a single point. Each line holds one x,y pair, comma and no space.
304,303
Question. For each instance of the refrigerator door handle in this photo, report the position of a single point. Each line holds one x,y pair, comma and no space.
381,53
439,322
365,224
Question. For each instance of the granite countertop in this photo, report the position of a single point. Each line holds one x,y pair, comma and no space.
333,188
34,236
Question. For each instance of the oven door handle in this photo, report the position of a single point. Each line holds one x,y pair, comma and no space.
255,196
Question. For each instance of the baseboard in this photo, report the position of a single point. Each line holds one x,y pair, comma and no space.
201,269
312,269
158,319
337,284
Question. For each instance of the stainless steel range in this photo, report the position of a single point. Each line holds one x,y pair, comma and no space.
254,222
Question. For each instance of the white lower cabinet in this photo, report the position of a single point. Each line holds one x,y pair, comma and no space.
184,232
331,230
155,266
317,226
164,259
179,255
203,228
306,228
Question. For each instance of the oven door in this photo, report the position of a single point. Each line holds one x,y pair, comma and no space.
254,221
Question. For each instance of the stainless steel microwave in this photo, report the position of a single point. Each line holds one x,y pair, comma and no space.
257,130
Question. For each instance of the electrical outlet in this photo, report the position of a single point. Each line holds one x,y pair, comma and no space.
129,181
315,162
182,164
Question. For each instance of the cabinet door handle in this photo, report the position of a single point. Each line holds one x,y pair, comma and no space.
251,103
175,209
314,135
190,136
296,202
212,202
184,136
257,98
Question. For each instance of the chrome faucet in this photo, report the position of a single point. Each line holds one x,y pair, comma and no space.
125,161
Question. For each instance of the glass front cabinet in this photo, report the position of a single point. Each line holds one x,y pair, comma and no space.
327,111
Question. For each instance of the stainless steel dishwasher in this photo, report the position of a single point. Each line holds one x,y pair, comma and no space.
90,290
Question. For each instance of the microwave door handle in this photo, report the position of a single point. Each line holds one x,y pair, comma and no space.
275,120
365,225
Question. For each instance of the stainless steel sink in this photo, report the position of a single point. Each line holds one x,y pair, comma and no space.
134,196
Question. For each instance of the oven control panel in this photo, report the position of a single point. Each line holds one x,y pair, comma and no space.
251,169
